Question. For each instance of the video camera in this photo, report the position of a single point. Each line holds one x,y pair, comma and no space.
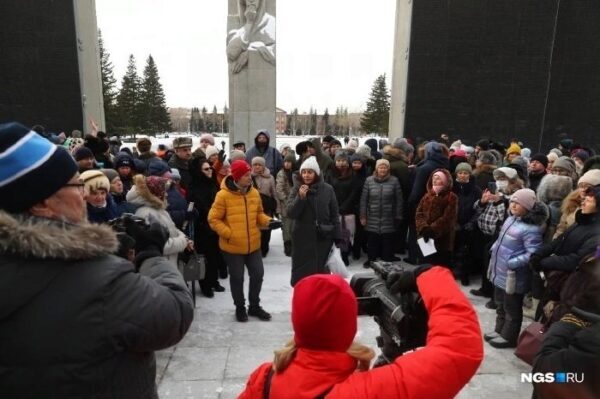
402,319
120,224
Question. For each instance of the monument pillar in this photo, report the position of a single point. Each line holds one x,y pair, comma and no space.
252,84
90,77
400,68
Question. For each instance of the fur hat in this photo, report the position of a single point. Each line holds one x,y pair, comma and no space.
382,162
31,168
144,144
324,313
97,144
509,173
236,155
364,151
487,158
210,151
356,157
565,163
554,188
182,142
402,144
591,177
258,160
95,180
352,144
175,175
342,155
290,157
82,153
524,197
311,163
463,167
207,137
552,157
239,168
284,146
110,174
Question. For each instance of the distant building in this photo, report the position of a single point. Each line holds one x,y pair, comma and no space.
280,121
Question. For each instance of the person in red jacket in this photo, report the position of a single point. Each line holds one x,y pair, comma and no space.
323,360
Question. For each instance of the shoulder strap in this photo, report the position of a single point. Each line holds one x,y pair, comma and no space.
267,386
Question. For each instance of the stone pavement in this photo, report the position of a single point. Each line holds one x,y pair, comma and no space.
218,354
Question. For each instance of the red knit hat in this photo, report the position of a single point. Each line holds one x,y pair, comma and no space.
324,313
239,168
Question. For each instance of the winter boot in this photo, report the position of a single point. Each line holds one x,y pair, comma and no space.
287,248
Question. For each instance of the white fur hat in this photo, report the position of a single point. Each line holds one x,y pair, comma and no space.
311,163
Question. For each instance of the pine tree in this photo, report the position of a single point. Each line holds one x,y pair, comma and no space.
154,113
109,89
214,120
128,100
376,118
326,126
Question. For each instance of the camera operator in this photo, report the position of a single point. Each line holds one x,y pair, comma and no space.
323,360
75,320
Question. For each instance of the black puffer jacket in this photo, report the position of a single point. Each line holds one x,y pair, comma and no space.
347,190
434,159
77,322
567,250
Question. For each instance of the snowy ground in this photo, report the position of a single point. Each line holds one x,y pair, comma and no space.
217,355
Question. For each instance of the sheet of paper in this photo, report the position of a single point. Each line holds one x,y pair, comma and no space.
427,248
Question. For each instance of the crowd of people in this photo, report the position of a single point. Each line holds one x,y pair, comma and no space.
526,223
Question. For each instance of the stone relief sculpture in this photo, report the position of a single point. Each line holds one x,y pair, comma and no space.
256,33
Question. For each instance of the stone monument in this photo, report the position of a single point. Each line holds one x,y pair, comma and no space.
252,69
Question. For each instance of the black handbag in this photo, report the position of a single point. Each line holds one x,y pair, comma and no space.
325,230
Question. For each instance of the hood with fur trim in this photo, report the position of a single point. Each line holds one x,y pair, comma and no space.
34,237
538,215
140,195
392,153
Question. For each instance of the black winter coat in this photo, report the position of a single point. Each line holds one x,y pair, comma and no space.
468,194
568,249
311,250
347,191
202,192
78,322
176,206
183,168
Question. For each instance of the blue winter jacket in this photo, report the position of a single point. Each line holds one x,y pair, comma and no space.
518,239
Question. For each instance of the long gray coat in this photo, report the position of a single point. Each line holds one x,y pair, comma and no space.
310,250
381,204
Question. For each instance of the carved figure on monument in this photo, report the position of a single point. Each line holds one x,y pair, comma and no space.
256,33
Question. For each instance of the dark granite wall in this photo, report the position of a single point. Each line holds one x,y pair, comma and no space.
39,73
482,68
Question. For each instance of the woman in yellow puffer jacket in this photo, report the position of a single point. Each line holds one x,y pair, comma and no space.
236,216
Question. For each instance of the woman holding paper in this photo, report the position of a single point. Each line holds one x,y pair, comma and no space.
436,218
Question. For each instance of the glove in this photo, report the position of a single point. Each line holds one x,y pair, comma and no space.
427,233
535,263
222,156
149,240
275,224
406,281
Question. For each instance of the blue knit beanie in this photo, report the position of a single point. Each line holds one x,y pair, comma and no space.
31,168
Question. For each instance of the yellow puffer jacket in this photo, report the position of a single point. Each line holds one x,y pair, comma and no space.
236,218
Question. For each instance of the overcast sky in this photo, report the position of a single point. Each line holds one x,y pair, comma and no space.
329,52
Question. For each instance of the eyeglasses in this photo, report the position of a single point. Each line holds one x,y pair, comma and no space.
80,186
205,169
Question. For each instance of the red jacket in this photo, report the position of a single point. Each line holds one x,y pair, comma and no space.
451,357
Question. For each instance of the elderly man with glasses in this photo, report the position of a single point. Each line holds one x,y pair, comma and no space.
75,320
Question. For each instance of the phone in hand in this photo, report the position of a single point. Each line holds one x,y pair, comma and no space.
491,186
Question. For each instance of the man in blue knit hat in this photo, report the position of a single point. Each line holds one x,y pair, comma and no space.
76,321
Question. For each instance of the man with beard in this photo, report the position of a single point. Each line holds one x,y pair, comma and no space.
256,33
75,320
